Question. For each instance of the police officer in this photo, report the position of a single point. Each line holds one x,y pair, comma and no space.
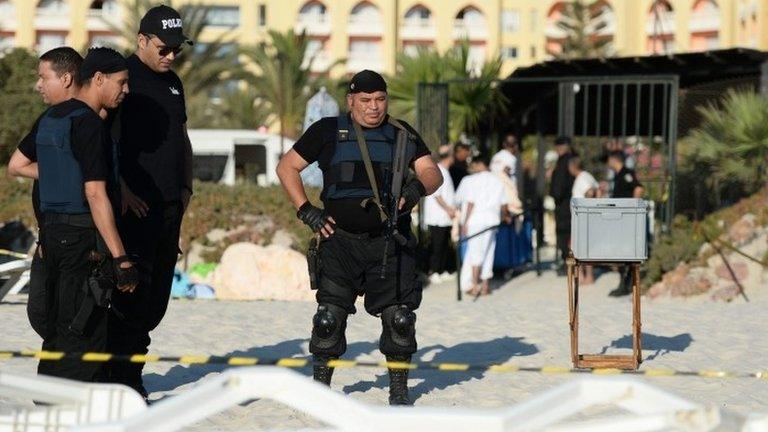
156,169
357,153
57,73
84,255
625,185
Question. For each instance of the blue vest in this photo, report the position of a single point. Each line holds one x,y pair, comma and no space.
344,176
61,180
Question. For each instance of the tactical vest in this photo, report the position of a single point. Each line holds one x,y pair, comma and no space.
344,176
61,180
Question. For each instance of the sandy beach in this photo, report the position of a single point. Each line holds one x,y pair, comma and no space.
524,322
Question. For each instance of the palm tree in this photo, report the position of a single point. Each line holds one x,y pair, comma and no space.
234,108
473,97
732,142
283,78
582,24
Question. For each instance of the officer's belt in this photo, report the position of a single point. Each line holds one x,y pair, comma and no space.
359,236
80,220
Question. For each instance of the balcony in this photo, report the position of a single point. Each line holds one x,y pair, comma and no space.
418,29
469,30
101,20
363,28
358,63
313,25
664,25
52,20
709,22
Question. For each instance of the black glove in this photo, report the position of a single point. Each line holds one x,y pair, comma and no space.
314,217
412,193
125,276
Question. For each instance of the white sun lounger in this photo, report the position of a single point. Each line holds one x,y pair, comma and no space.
68,403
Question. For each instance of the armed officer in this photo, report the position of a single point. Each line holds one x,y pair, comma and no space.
366,158
84,255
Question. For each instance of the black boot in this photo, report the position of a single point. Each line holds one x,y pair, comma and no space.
398,383
321,373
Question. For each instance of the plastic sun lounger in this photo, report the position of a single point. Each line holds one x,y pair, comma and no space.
645,408
18,273
69,403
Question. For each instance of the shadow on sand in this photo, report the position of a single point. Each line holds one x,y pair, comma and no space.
661,345
489,352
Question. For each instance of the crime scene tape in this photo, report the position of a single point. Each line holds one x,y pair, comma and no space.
13,254
298,363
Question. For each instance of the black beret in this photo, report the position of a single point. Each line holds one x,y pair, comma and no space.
367,81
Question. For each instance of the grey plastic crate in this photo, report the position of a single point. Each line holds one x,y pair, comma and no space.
609,229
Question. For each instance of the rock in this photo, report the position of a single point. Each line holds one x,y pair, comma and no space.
743,230
726,294
657,290
706,250
253,272
740,270
283,238
216,235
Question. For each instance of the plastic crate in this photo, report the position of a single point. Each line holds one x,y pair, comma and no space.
609,229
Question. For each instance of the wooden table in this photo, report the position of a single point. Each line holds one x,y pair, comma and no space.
602,361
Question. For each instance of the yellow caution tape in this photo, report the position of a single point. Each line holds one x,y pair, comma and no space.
340,363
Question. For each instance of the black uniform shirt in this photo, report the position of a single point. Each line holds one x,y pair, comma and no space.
152,140
625,183
318,144
87,142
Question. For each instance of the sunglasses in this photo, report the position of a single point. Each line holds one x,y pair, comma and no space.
164,50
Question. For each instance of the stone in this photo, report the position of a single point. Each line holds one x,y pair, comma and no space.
743,230
252,272
740,270
283,238
726,294
216,235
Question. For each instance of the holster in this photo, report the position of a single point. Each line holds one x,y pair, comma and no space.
98,288
313,262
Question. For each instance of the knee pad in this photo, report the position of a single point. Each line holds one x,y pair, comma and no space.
398,335
328,327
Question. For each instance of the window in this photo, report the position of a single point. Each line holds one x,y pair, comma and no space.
52,7
6,43
49,41
509,53
262,15
223,16
365,13
313,12
364,48
510,20
418,15
6,8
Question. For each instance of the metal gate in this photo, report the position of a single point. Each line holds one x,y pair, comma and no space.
639,112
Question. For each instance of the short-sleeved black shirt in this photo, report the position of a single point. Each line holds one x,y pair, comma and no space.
152,139
625,183
87,141
317,144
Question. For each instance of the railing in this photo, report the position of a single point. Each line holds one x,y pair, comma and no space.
469,30
705,22
313,25
418,29
360,27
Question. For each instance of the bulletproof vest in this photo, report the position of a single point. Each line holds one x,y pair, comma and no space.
61,180
345,176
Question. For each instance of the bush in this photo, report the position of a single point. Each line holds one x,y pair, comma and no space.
212,206
20,104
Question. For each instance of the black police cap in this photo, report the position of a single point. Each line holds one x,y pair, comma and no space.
165,23
367,81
